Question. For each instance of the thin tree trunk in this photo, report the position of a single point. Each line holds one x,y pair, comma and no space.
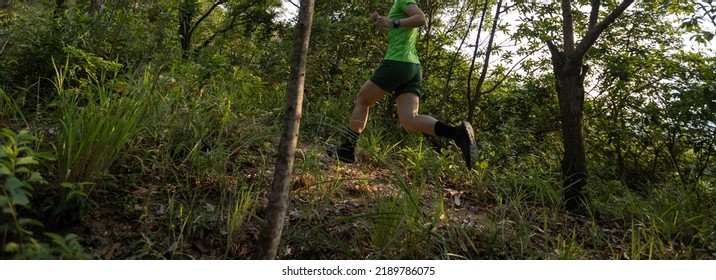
474,55
185,29
451,70
430,13
278,195
96,7
59,8
6,4
483,74
70,9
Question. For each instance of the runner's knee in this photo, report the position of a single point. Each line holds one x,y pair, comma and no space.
409,122
363,101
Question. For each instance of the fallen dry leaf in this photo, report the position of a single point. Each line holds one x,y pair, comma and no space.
110,253
141,192
199,244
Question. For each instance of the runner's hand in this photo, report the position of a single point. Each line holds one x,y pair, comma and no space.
382,21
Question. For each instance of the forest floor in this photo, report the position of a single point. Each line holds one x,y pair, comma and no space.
336,211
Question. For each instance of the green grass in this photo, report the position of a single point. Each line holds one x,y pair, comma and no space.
94,135
96,125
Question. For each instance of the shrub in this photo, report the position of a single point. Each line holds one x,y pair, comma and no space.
16,161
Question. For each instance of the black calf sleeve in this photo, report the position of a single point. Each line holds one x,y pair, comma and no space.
444,130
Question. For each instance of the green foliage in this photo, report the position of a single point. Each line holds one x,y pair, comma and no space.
97,122
201,23
653,103
345,49
17,161
63,248
387,221
239,207
17,158
29,41
98,115
9,108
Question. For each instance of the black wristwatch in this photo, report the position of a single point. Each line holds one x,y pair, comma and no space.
396,23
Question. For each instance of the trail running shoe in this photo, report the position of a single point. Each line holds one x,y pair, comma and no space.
343,154
465,140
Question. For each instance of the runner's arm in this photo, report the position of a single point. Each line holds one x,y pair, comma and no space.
416,17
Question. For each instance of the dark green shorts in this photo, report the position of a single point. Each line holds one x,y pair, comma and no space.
399,77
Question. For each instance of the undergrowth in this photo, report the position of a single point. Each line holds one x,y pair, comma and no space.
181,167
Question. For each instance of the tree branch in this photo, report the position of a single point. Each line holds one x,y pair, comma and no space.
294,4
474,54
594,14
593,34
499,83
203,17
553,49
232,23
488,52
708,12
217,33
567,26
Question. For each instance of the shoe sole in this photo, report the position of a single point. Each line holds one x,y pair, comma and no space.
472,145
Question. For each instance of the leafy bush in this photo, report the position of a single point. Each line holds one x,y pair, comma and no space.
18,177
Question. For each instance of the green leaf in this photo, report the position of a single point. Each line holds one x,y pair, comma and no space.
18,196
8,133
26,160
44,155
21,199
25,137
5,171
22,170
13,184
4,202
35,177
27,221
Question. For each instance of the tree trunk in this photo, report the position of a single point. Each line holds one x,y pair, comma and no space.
59,8
570,71
6,4
96,7
570,91
65,5
479,92
185,30
278,195
430,9
470,72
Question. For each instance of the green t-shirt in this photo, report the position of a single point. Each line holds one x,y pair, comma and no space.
401,40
